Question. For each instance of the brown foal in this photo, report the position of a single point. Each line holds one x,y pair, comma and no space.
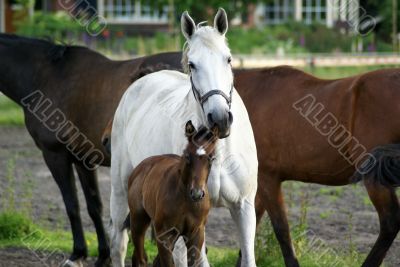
171,191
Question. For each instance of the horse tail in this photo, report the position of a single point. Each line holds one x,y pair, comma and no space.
106,142
127,222
384,167
106,137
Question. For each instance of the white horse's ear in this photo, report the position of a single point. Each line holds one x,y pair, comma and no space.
187,25
221,21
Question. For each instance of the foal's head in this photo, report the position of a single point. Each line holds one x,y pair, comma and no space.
197,159
207,58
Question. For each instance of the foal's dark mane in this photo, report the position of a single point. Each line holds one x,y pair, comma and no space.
203,135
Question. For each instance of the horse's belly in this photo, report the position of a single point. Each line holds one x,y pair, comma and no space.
232,185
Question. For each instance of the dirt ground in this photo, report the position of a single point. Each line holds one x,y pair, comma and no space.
338,216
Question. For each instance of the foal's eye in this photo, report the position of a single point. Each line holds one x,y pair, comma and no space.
229,60
211,159
191,65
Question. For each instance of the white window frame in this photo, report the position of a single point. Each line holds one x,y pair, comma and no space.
279,12
130,12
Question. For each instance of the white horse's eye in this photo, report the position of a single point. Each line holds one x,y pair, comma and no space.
229,60
191,65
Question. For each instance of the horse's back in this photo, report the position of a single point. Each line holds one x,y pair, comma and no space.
150,178
148,105
158,161
377,107
289,140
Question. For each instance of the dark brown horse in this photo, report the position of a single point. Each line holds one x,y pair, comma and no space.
68,94
321,131
171,191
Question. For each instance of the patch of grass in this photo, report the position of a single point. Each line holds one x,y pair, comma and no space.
10,112
15,225
39,239
311,250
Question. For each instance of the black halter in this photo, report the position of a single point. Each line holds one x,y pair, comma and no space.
202,99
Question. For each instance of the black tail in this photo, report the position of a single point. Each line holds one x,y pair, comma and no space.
384,167
106,142
127,222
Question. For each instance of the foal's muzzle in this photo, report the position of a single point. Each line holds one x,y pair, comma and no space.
222,121
197,194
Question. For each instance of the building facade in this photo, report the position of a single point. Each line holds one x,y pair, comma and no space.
131,12
328,12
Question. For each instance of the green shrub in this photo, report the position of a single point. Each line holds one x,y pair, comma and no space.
51,25
15,225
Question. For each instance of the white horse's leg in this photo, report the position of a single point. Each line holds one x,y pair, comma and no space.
119,236
179,253
204,260
243,213
119,210
69,263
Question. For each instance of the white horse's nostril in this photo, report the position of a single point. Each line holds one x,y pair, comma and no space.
210,119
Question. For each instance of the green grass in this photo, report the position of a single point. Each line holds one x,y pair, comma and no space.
10,112
16,230
311,251
340,72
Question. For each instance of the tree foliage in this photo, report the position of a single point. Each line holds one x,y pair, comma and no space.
383,11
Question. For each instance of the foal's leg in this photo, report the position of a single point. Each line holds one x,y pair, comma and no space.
90,188
165,247
194,247
140,221
61,168
243,213
387,205
271,192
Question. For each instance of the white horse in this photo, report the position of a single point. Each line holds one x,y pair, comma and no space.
150,120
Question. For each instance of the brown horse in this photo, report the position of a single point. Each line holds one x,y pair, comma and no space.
320,131
75,90
171,191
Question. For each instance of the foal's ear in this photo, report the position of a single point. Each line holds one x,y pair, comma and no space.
215,133
189,129
221,21
187,25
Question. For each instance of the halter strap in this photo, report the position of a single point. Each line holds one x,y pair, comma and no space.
201,99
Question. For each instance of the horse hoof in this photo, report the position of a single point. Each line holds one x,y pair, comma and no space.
103,262
69,263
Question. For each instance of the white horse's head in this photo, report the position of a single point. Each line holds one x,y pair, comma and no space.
207,58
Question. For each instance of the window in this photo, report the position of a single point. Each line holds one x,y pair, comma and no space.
131,11
279,12
314,11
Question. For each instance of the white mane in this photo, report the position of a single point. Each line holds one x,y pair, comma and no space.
204,36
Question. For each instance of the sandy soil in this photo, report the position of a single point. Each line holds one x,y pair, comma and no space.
334,215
